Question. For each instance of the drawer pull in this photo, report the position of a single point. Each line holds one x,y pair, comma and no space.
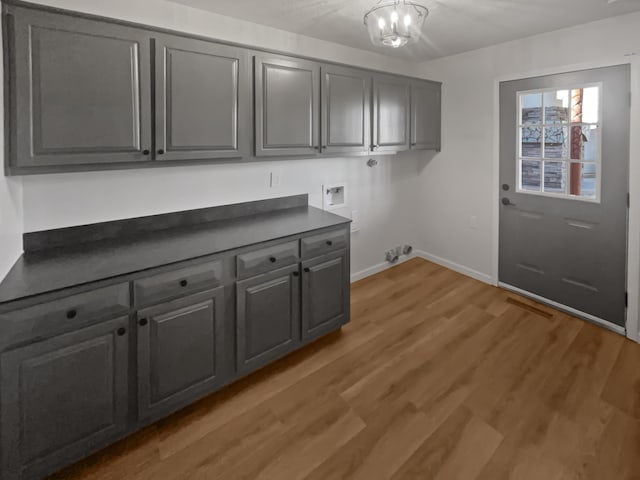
161,152
329,242
73,313
146,152
143,322
307,270
295,274
121,331
184,283
273,259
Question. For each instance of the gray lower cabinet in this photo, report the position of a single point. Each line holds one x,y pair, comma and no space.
180,352
268,317
425,115
346,116
84,370
202,100
391,113
325,299
63,398
287,100
79,91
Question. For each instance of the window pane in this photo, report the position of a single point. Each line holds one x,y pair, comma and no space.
530,175
583,179
585,143
531,142
556,106
555,142
555,177
531,106
585,105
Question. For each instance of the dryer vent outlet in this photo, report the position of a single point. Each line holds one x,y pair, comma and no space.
392,256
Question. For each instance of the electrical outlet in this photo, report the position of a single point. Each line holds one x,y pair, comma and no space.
274,179
355,221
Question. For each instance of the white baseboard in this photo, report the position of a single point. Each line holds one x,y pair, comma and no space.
380,267
456,267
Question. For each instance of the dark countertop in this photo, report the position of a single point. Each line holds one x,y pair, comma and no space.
51,270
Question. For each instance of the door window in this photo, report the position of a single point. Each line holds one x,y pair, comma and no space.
559,151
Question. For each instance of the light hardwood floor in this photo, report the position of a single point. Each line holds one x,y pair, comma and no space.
437,376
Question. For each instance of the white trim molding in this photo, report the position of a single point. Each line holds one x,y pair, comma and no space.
456,267
572,311
380,267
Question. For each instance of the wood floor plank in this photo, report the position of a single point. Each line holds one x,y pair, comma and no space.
458,450
438,376
623,386
380,449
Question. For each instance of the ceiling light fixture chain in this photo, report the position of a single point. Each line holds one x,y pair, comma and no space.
395,23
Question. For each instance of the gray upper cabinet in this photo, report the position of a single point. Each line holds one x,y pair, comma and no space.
180,351
325,299
63,398
202,100
425,115
268,317
391,113
287,104
79,91
346,117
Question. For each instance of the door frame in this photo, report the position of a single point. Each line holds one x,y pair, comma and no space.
633,227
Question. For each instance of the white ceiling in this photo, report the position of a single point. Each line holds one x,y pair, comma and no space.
453,26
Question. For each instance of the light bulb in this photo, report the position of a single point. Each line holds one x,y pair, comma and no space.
407,20
394,17
381,23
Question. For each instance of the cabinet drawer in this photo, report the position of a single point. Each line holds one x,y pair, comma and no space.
177,283
324,243
266,259
53,317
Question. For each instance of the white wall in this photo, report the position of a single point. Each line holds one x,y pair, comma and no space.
462,181
380,194
10,207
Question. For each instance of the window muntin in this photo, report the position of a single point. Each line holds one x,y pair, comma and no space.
559,148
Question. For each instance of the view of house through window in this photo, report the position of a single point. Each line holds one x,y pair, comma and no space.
559,142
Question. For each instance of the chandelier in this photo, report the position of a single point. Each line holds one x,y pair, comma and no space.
395,23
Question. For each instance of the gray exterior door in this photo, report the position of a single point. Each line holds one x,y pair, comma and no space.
325,300
180,347
346,117
287,106
63,398
568,247
268,317
86,98
425,115
202,107
391,113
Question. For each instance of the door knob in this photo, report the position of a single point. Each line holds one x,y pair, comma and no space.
507,203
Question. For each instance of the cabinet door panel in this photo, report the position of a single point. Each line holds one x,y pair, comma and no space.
201,99
391,114
82,91
425,116
346,120
64,397
287,102
180,345
325,295
268,317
